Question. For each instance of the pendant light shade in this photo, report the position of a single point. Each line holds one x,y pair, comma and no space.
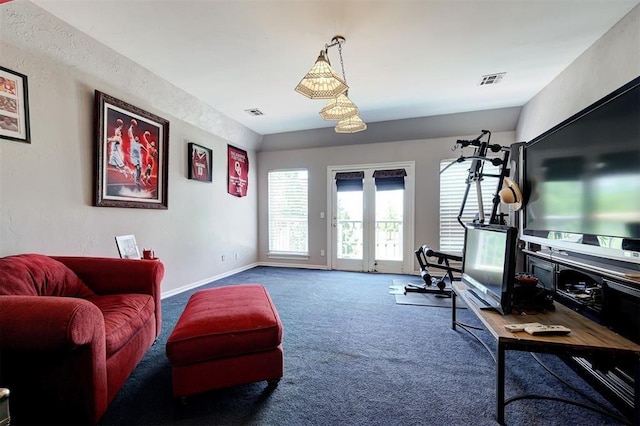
339,108
351,124
321,82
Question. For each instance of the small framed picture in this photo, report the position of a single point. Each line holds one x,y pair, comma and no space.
200,162
14,106
131,161
127,247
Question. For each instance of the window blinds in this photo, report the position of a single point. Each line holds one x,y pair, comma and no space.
288,211
452,188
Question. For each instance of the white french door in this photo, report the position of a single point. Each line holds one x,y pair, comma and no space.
371,222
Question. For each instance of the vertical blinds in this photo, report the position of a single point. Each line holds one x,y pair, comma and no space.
452,188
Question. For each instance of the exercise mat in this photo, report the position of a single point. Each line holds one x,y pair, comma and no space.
421,299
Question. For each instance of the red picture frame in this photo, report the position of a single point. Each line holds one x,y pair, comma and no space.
238,171
131,155
200,162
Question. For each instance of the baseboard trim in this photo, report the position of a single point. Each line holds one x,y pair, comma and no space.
292,265
202,282
244,268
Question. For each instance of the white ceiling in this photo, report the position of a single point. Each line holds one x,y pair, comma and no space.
402,59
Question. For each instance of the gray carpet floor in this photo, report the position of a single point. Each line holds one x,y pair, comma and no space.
353,356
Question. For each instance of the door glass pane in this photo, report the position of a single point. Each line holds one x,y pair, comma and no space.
389,215
349,223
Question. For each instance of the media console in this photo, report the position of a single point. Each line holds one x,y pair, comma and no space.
605,292
587,339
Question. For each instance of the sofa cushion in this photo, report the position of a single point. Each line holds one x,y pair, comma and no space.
39,275
124,315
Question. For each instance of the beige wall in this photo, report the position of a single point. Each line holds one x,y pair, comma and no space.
426,153
46,187
609,63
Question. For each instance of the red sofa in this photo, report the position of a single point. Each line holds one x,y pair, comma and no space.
72,329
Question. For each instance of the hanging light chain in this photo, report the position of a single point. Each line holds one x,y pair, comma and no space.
344,76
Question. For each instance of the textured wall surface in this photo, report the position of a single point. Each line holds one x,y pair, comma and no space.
46,187
27,26
608,64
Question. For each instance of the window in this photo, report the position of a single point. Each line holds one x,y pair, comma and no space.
452,187
288,212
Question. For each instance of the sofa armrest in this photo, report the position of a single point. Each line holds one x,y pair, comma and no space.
108,275
53,353
44,323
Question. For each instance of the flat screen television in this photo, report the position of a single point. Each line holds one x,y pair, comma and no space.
488,264
582,181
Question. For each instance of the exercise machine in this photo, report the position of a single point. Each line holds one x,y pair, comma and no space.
475,177
442,285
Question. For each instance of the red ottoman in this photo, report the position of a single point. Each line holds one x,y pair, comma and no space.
226,336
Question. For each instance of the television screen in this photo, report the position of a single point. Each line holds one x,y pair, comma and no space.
489,264
582,178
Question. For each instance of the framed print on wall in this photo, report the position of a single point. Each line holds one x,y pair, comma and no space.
14,106
237,171
132,156
200,162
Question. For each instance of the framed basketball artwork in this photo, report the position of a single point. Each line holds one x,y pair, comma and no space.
131,155
200,162
14,106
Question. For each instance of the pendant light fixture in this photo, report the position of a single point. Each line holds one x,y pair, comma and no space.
338,108
351,124
322,80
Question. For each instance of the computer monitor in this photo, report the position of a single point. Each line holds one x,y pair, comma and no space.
488,266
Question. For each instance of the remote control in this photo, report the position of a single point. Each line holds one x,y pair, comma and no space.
520,327
547,329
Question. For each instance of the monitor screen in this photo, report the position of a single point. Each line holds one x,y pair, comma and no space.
489,264
582,181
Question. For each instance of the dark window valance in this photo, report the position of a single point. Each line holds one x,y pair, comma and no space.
389,180
349,181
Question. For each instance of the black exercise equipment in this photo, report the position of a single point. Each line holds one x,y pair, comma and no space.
443,284
476,176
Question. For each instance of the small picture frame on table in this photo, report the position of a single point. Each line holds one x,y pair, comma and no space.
127,247
14,106
200,162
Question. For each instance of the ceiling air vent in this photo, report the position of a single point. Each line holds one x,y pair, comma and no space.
491,79
254,111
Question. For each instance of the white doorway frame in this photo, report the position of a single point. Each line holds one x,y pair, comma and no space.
408,253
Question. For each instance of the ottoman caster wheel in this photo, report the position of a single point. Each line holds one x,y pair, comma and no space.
272,384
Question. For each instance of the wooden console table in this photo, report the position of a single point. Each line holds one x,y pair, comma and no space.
586,338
